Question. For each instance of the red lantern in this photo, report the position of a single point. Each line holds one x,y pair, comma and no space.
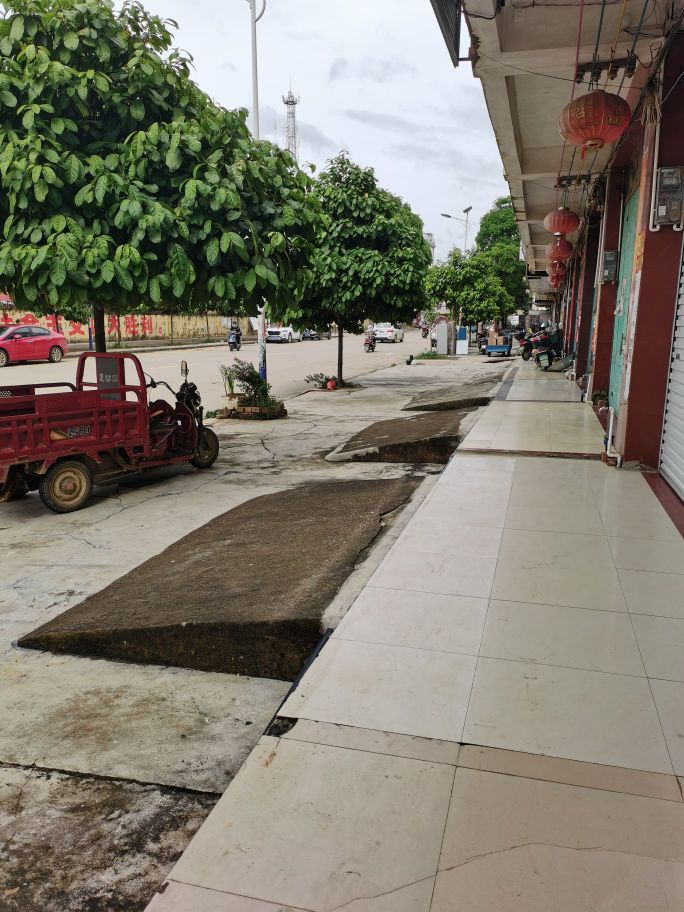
594,119
562,221
555,280
557,268
560,249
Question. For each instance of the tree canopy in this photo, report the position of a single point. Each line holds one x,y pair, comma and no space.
488,282
124,186
498,226
370,260
470,288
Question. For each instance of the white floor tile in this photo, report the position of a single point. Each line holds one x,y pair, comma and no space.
669,700
640,554
421,571
635,515
653,593
367,739
521,845
661,641
388,688
451,539
447,623
180,897
564,712
319,828
555,568
571,637
554,513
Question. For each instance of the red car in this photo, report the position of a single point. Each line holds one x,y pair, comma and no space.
31,343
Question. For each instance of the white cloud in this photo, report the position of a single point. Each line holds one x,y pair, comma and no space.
373,77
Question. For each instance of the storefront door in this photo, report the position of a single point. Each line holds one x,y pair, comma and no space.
624,287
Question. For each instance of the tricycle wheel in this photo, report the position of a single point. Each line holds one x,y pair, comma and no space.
207,450
14,488
527,354
66,487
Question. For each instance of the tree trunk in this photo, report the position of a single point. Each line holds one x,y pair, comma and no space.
171,315
118,330
340,349
206,317
99,328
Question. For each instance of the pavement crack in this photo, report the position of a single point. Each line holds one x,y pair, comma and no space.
263,443
513,848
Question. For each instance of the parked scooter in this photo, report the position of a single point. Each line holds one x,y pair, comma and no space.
424,330
234,340
369,341
548,347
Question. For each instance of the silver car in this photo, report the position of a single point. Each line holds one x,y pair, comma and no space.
387,332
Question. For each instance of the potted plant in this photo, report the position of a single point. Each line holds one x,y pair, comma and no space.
255,399
231,399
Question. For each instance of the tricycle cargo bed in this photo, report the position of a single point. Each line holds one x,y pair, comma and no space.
62,423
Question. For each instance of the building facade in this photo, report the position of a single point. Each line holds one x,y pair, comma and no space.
620,295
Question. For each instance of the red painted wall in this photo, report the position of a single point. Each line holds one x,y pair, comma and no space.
642,426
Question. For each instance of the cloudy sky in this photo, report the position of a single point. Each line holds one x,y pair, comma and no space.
373,77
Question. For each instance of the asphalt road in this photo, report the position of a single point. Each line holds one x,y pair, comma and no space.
288,365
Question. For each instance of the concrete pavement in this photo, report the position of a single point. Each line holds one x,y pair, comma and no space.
495,723
171,727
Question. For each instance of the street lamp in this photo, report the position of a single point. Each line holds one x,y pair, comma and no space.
457,219
261,310
255,74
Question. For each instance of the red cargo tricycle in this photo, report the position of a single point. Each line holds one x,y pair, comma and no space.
60,439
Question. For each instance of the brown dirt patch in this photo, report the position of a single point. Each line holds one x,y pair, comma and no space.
243,594
77,844
430,437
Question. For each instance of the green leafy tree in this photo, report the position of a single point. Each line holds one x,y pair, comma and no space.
470,288
498,226
370,260
122,185
499,241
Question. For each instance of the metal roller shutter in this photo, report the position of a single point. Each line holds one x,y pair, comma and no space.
672,446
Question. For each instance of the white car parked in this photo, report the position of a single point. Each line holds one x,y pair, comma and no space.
386,332
283,334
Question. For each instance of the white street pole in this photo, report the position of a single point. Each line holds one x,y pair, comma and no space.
465,221
466,211
261,310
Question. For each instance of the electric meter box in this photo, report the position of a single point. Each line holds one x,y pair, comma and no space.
610,264
669,202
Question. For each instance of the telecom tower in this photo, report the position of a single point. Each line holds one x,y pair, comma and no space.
291,143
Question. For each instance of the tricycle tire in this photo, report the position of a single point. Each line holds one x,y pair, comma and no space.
207,450
526,354
66,486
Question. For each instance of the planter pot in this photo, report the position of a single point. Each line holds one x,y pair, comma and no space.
258,411
233,401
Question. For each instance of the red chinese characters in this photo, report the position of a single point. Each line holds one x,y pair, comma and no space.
595,119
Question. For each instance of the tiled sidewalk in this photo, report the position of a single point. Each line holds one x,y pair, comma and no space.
496,725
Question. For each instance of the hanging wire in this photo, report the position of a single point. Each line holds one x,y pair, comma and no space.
574,84
634,42
614,45
594,59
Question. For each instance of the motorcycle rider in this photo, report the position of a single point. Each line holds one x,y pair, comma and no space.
235,328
